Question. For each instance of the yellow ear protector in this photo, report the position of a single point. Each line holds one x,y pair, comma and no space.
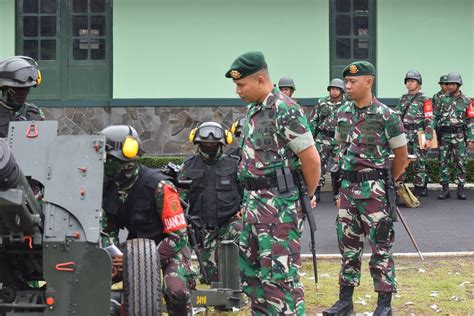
38,80
228,137
130,146
233,128
192,134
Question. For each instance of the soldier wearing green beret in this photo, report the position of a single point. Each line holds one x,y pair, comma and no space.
368,131
277,146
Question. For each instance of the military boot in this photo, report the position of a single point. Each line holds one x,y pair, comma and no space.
461,195
344,305
317,194
384,304
445,194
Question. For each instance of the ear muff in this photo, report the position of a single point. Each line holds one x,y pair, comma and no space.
192,135
228,137
130,147
38,80
233,128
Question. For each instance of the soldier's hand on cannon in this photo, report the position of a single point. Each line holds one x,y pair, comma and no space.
117,268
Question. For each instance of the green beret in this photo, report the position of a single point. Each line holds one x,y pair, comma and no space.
246,64
443,79
359,68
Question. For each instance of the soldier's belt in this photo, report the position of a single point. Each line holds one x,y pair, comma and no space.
411,127
260,183
451,129
357,176
328,133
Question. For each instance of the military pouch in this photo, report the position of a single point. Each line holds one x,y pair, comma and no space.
383,230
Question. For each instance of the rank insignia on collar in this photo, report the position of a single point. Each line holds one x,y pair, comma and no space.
353,69
235,74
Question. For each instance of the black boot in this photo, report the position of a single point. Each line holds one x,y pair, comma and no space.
317,194
344,305
445,194
419,190
424,192
461,195
384,304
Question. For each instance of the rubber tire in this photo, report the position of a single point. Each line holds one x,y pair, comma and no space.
141,278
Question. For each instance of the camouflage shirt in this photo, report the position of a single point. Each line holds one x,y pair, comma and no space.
274,132
454,112
437,97
368,135
28,112
323,118
416,113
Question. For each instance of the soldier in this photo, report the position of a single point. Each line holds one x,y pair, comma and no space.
145,202
287,86
443,89
323,123
17,75
368,132
454,121
416,112
214,196
276,145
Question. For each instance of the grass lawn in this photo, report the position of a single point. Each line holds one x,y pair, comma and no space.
437,286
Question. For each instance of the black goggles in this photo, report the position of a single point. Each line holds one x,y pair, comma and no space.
206,132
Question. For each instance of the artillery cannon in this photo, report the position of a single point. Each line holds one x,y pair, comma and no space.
50,260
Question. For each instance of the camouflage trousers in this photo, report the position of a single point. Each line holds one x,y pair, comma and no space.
211,241
420,176
327,152
357,219
452,147
270,265
177,278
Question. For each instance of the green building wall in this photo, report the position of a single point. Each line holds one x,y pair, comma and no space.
181,49
7,28
433,36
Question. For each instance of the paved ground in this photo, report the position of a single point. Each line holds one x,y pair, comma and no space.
438,226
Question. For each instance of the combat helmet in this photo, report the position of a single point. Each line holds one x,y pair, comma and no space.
19,72
208,132
413,74
454,77
337,83
122,142
286,82
443,79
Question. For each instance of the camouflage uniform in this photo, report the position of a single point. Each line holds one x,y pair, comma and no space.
416,113
437,97
454,127
272,221
323,124
367,136
174,253
28,112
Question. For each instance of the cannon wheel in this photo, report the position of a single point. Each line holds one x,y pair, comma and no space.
141,278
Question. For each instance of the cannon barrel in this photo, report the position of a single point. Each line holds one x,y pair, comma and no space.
20,212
